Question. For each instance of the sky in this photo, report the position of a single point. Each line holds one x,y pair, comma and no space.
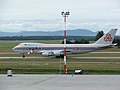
45,15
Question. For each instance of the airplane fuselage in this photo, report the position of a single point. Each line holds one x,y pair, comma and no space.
70,48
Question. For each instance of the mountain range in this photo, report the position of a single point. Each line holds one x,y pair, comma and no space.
75,32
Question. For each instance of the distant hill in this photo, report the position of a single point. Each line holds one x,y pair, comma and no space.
75,32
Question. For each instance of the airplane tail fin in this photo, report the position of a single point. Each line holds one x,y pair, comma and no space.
107,38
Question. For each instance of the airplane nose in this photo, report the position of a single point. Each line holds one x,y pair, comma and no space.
13,49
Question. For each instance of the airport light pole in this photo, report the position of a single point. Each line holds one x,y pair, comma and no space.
65,15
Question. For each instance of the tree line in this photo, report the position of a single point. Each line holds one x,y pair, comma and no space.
70,39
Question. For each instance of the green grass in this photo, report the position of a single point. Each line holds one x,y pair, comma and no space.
51,65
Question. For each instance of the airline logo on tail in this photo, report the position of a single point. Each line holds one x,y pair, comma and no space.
108,37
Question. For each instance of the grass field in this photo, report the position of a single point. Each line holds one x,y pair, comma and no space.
55,65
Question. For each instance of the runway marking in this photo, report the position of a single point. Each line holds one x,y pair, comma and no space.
62,82
94,62
68,57
96,57
20,57
106,52
41,81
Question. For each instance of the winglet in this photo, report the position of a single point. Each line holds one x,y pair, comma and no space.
107,38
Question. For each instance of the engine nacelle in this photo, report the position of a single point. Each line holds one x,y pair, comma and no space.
46,54
58,53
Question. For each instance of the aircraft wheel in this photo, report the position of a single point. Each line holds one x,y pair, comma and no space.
23,56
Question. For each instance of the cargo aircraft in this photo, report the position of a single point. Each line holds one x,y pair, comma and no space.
57,50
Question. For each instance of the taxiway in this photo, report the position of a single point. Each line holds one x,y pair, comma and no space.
60,82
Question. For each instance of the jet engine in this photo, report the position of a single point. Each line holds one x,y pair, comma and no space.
46,54
59,53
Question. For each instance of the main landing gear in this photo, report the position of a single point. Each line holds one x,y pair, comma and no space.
23,56
61,56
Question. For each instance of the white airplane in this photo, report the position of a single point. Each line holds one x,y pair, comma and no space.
58,49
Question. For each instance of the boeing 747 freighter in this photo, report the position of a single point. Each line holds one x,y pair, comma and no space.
58,49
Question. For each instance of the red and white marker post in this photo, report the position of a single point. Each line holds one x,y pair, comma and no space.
65,15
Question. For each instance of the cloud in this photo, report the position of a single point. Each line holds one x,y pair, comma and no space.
95,26
29,25
44,25
10,25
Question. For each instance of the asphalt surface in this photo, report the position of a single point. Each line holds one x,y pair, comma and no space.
96,57
60,82
68,57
